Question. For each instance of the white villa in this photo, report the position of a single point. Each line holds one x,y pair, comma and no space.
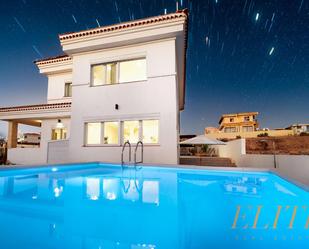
118,83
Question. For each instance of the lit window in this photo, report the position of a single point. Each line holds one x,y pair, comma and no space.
247,128
131,131
118,72
150,131
93,133
68,89
111,133
98,75
110,74
59,134
230,129
133,70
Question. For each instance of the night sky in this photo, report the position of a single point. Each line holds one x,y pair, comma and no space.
243,55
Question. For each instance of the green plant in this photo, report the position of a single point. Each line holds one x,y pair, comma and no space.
204,148
265,134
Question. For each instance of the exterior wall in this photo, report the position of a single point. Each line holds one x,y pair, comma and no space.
233,135
239,122
24,156
295,167
38,155
58,151
30,138
157,97
56,82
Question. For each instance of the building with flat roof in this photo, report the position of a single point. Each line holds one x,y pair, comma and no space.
242,125
239,122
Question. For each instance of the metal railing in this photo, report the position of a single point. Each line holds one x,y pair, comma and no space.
142,152
123,148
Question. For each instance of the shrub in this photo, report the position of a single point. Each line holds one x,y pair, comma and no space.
263,134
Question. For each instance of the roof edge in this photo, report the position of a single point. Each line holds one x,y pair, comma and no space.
122,25
49,60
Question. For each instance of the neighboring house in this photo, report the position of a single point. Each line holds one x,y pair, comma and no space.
30,138
299,128
239,122
244,125
210,130
116,83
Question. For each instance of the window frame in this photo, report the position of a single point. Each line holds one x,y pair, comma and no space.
246,118
102,133
142,130
63,131
69,90
117,71
120,132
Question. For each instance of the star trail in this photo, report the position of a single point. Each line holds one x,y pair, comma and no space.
243,55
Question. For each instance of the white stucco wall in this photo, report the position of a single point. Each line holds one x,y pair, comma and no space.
294,166
157,97
34,156
24,156
56,82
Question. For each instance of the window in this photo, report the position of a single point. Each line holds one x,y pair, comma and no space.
247,128
246,118
111,133
133,70
93,133
131,131
231,120
118,72
103,133
68,89
59,134
150,131
229,129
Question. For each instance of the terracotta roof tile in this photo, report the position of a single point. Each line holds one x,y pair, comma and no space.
36,107
54,59
141,22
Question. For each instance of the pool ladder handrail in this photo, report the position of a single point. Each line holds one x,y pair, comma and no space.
123,147
142,152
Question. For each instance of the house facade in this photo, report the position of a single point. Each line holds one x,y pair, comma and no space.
242,125
299,129
239,122
123,82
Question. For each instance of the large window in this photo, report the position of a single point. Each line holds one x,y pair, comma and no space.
109,132
93,133
229,129
68,89
118,72
131,131
150,131
102,133
59,134
247,128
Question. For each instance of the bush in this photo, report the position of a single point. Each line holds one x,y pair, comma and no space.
263,134
304,134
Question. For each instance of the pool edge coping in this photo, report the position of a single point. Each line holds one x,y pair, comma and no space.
292,180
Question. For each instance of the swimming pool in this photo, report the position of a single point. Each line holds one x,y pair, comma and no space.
103,206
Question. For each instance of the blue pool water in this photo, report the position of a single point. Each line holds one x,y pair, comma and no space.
98,206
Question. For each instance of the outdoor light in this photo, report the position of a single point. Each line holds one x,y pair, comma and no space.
59,124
